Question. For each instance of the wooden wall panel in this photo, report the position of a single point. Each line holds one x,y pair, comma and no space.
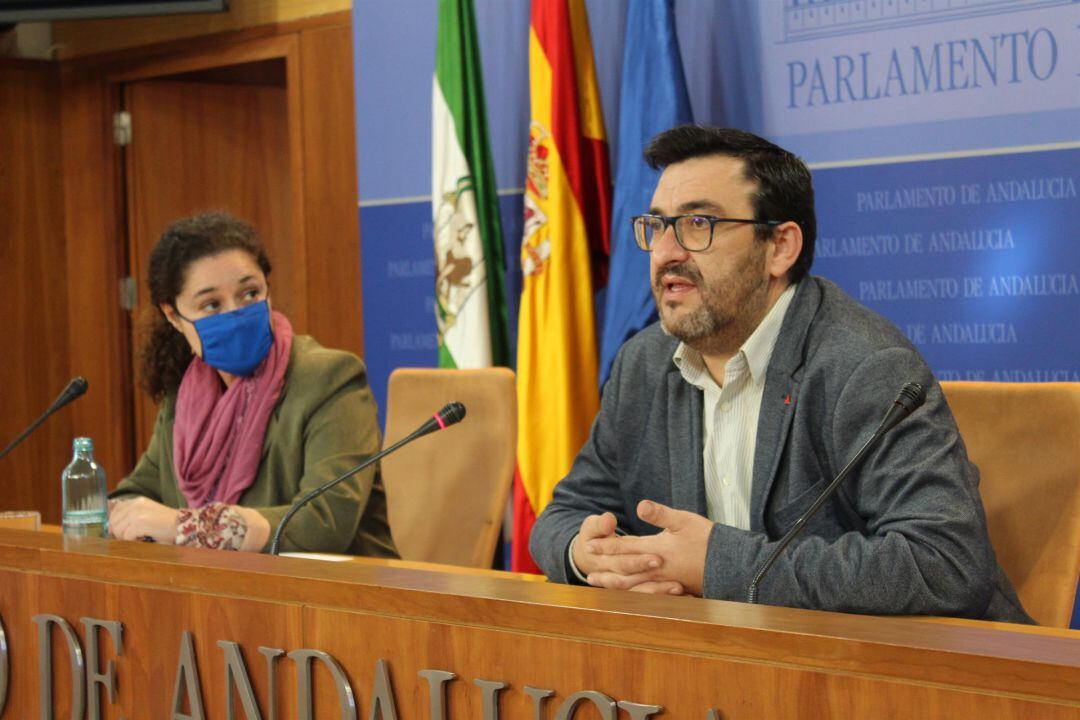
98,328
332,223
87,37
33,287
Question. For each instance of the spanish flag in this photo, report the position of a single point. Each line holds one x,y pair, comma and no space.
563,259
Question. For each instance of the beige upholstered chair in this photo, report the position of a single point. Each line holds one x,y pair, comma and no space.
1025,439
447,492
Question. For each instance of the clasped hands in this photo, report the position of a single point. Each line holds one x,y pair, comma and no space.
671,562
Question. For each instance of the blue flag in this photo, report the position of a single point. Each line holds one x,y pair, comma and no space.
653,99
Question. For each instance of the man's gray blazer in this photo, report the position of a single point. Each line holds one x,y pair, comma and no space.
905,534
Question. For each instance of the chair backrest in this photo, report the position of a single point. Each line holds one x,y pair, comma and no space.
1025,439
446,493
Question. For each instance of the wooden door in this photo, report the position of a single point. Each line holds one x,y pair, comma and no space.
117,201
209,142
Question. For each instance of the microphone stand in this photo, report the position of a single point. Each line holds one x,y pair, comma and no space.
73,391
912,395
751,594
449,415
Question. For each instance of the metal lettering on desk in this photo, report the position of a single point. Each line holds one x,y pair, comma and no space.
75,655
87,677
93,676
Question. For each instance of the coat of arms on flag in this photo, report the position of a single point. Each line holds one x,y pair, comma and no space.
536,248
458,251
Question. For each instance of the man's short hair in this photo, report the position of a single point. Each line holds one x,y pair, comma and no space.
785,189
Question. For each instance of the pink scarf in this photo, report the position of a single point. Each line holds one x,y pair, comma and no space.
218,434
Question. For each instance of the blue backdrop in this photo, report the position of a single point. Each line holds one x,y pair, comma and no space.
944,138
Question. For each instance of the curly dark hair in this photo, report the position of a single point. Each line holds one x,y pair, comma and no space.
164,354
785,189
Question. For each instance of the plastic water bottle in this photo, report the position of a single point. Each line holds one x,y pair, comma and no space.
86,511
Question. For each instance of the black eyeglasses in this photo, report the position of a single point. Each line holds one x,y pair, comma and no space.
692,232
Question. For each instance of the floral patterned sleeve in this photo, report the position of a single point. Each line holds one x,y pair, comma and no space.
216,526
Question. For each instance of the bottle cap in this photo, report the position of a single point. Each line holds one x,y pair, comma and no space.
83,443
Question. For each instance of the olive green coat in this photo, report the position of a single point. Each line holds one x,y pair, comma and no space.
323,424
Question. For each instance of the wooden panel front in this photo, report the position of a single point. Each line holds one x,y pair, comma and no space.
686,655
685,685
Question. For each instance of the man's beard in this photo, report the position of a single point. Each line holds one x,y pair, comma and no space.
727,313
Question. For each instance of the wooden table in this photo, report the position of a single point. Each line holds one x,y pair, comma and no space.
371,628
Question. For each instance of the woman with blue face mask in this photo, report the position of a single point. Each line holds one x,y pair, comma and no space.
251,416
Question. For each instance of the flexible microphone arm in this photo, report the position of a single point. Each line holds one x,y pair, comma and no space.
451,414
910,398
75,389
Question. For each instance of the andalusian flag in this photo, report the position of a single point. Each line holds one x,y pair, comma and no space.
563,259
469,287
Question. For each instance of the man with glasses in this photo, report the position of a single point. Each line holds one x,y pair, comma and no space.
721,424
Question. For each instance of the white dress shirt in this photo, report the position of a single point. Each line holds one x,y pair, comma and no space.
729,419
730,415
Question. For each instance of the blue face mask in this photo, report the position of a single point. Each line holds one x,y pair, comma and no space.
236,342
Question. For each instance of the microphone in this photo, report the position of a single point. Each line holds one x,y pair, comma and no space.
451,414
911,397
75,389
